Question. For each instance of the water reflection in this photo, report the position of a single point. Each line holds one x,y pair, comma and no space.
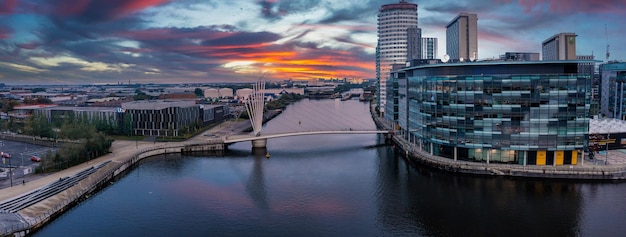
255,187
439,204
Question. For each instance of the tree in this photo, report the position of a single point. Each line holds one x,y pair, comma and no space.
140,95
283,101
90,144
38,89
38,100
37,125
127,125
198,92
8,104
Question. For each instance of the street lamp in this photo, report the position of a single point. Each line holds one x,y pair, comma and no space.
6,156
11,171
606,157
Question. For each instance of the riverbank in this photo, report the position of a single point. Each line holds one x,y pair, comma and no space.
124,155
587,170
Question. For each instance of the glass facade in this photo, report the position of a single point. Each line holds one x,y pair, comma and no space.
391,106
612,90
522,113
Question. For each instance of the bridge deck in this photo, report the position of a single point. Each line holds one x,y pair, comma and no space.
241,138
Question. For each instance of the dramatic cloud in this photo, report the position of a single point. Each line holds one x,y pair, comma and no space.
5,32
574,6
98,10
95,41
6,7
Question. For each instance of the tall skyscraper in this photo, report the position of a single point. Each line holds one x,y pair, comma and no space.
414,43
393,22
561,46
462,36
429,48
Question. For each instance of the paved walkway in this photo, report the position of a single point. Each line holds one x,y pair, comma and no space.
615,157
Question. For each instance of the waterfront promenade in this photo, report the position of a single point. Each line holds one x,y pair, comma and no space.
123,153
607,166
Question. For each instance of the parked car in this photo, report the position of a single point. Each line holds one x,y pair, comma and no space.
35,158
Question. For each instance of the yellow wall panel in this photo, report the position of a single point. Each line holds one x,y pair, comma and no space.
541,157
574,157
559,157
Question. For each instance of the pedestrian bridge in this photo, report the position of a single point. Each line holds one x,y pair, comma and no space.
243,138
337,120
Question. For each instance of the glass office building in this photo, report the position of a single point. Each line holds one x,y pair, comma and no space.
522,112
612,95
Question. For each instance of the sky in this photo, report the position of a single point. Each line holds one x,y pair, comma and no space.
206,41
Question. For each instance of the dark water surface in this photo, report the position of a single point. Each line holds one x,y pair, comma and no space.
334,185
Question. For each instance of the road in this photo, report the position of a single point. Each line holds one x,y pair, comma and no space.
20,162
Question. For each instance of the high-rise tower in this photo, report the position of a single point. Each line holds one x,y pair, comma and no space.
414,43
394,20
429,48
462,36
561,46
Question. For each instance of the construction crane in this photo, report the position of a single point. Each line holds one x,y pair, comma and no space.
606,33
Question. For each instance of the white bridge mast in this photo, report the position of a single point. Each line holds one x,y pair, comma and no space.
255,106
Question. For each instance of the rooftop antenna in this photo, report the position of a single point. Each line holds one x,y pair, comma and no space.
445,58
606,33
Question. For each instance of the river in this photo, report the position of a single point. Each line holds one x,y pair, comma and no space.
334,185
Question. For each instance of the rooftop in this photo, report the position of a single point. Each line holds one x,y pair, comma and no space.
29,107
498,62
607,125
70,108
157,104
557,35
462,14
400,5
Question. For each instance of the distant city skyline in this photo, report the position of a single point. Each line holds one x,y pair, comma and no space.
195,41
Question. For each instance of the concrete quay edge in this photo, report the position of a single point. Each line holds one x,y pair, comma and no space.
576,172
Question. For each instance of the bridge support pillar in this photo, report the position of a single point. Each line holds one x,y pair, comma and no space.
259,143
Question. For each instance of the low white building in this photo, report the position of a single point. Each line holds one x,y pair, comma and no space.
226,92
244,93
211,93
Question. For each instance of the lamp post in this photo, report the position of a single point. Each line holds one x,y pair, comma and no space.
606,157
6,156
11,171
